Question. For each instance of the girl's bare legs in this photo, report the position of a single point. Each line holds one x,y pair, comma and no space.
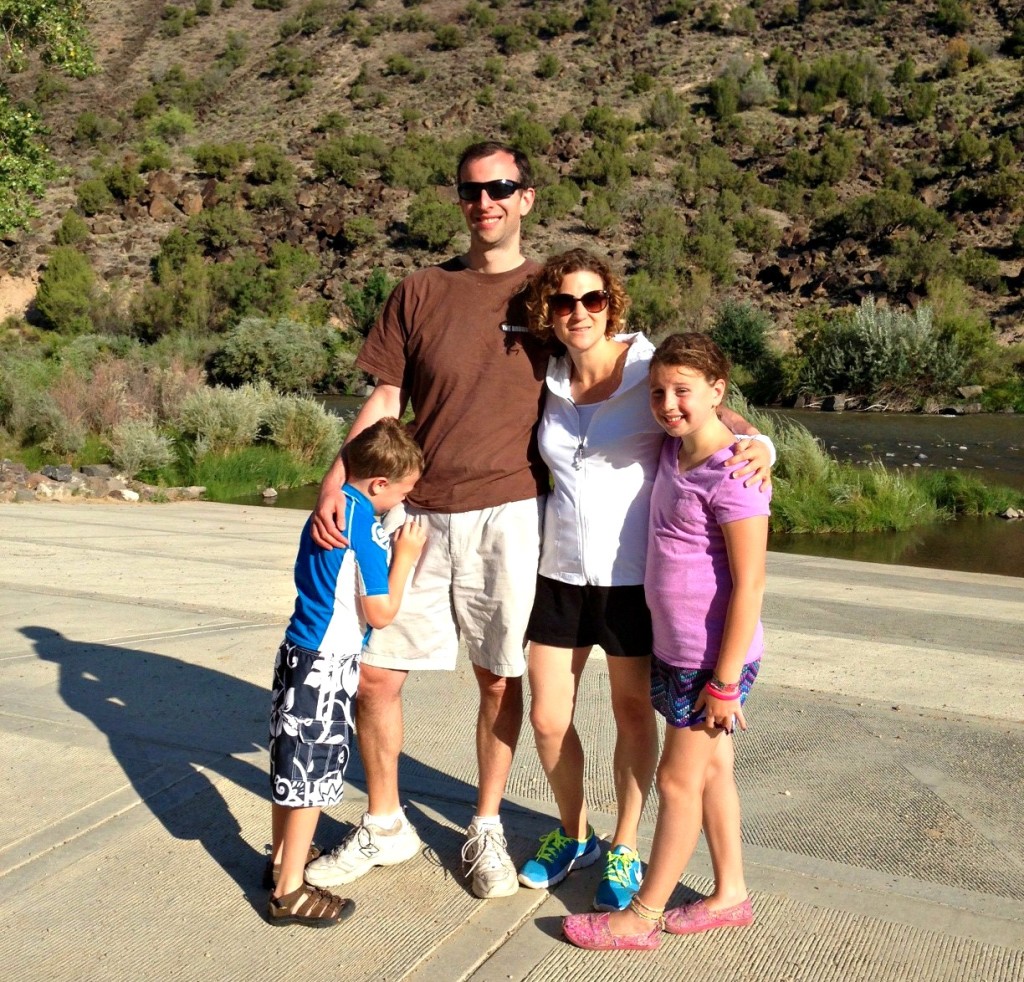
636,742
681,781
293,835
722,828
554,681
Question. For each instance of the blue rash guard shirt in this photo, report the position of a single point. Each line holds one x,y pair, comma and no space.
328,583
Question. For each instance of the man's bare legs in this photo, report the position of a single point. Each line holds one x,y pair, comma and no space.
380,730
499,718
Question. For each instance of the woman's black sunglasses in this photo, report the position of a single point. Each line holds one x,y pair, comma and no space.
496,190
563,304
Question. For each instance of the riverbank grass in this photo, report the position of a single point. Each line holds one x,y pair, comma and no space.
815,493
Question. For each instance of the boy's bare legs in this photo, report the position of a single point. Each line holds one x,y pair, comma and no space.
554,681
636,743
293,834
380,731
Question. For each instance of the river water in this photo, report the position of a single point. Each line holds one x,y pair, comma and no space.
990,446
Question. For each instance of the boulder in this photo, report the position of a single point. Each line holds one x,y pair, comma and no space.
124,494
834,403
59,472
162,208
970,391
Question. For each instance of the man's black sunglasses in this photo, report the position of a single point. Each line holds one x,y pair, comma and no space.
496,190
563,304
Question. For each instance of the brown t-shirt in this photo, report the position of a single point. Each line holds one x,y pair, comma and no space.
456,341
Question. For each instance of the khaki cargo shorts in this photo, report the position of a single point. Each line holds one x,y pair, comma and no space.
474,580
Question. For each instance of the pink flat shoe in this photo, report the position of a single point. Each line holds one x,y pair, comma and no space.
696,917
591,931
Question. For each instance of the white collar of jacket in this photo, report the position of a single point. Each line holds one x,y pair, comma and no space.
635,371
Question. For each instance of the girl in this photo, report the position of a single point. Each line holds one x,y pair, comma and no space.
704,584
602,447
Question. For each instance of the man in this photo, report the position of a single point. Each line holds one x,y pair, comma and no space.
452,340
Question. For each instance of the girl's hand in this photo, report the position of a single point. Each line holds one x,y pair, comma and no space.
719,714
755,458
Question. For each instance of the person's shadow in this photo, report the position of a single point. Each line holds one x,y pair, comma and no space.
167,722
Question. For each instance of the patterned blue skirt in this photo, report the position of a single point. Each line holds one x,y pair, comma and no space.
674,690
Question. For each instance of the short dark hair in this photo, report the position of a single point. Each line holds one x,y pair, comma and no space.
383,449
693,350
546,282
488,148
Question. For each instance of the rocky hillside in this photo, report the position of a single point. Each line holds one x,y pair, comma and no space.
784,153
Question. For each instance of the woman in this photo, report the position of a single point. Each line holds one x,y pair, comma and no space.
601,444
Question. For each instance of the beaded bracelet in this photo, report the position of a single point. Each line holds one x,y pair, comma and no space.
724,686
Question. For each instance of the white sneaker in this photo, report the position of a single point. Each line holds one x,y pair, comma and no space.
485,856
366,846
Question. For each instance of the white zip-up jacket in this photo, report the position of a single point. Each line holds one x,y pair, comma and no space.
595,524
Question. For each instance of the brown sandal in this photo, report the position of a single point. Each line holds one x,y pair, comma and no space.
273,870
310,906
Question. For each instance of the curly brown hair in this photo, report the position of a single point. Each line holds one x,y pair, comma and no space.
546,282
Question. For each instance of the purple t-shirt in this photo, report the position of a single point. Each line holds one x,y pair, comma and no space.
688,582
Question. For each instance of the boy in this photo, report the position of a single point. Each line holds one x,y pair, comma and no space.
316,673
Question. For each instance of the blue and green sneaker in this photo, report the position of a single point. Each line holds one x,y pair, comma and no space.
623,875
557,856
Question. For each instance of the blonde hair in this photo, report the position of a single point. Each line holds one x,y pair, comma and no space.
383,449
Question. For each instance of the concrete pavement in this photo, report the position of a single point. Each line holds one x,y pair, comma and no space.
881,777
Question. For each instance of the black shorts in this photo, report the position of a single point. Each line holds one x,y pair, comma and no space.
568,616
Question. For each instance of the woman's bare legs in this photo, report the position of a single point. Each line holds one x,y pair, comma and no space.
554,682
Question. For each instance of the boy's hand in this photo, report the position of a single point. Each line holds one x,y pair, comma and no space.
410,539
756,460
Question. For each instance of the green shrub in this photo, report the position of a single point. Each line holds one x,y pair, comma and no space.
67,292
304,428
875,217
365,303
603,163
919,99
666,111
123,181
432,223
512,39
155,155
290,355
92,128
73,230
548,66
137,445
359,230
220,420
221,227
447,37
952,17
270,165
421,161
219,159
880,352
93,196
555,201
654,304
172,124
600,213
523,131
348,158
724,97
